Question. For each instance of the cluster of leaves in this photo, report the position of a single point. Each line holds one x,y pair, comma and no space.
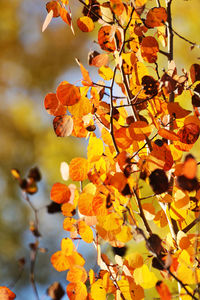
144,134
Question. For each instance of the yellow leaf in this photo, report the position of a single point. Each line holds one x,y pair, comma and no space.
144,277
82,108
124,235
98,292
95,148
185,270
106,73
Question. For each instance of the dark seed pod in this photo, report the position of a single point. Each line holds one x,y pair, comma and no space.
121,251
156,263
187,184
35,174
159,181
53,208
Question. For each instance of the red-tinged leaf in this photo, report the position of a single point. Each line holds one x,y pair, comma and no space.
168,134
175,110
117,7
149,49
68,94
195,72
63,125
122,138
86,77
106,38
189,133
55,7
156,17
53,106
85,24
60,193
163,291
66,17
6,293
139,130
47,20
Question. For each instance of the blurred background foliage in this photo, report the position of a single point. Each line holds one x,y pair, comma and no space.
32,64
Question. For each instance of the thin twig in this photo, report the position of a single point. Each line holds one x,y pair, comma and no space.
111,112
191,225
142,215
34,248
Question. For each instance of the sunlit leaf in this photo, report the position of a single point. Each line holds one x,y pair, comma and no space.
67,93
77,274
163,291
144,277
85,232
53,106
85,24
60,193
77,291
156,16
149,49
63,125
78,169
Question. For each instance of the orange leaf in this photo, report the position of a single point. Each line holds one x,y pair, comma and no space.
68,224
65,16
190,167
60,193
168,134
59,261
85,232
139,130
106,38
78,169
85,24
68,209
79,129
85,204
63,125
86,77
68,94
122,138
77,274
99,204
77,291
149,49
53,106
156,17
163,291
117,7
6,293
